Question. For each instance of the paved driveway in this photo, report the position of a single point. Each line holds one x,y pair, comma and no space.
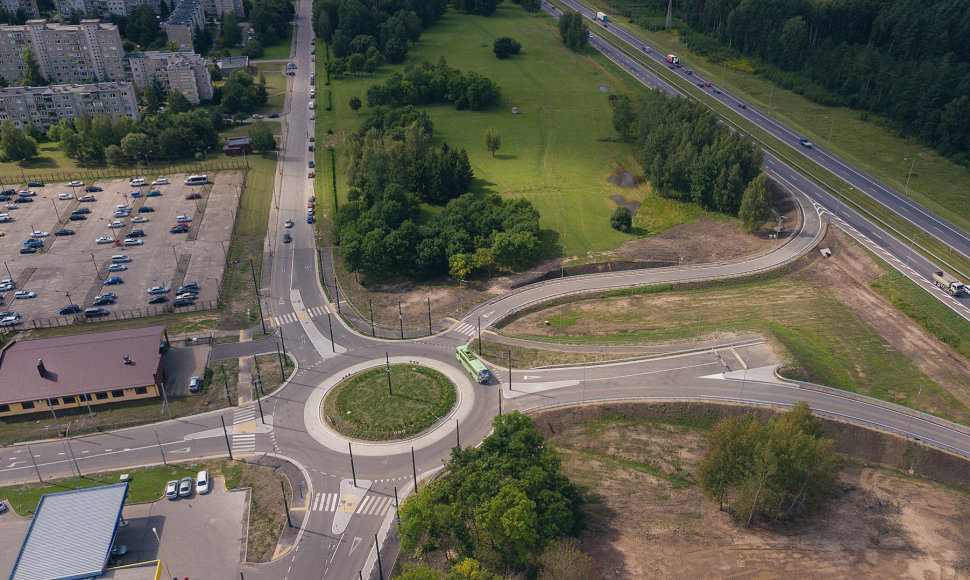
202,535
12,530
182,363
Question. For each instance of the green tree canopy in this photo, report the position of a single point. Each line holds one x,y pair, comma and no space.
261,136
177,103
622,219
15,145
136,145
573,31
755,204
32,75
506,46
492,141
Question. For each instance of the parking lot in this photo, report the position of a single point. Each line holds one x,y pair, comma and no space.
79,264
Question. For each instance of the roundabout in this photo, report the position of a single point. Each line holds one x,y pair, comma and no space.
389,403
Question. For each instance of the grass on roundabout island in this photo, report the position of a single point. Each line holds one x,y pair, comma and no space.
361,406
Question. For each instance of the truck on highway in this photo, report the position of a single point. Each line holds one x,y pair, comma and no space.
805,143
602,17
673,60
948,283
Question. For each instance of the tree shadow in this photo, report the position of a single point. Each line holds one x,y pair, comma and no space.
40,163
638,231
479,186
551,244
506,157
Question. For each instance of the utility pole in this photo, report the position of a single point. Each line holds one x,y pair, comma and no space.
262,321
906,190
160,450
34,461
353,472
387,366
372,331
280,356
429,315
286,506
479,336
226,433
333,347
510,369
414,471
53,414
400,318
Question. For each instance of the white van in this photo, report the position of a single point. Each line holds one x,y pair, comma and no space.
197,180
138,182
311,105
120,258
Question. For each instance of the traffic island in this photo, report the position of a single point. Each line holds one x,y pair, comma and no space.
389,403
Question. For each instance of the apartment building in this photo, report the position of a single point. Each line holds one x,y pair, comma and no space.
187,16
27,7
100,8
184,71
46,106
66,53
217,8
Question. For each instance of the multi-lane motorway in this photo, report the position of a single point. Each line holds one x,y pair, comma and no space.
335,543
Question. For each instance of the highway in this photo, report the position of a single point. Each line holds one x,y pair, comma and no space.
335,544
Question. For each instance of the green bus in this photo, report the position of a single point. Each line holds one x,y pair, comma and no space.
472,364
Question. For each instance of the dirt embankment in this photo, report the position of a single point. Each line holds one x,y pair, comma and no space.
647,523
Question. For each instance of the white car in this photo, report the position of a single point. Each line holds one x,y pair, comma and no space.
5,217
117,268
104,240
183,219
158,290
76,184
160,181
64,196
116,224
288,224
312,116
202,482
39,234
138,182
257,116
139,220
11,320
23,294
133,242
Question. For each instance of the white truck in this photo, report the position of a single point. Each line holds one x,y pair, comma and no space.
673,60
602,17
948,283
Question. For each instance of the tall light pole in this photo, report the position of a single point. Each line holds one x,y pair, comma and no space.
909,254
913,159
55,210
95,262
9,275
164,559
831,128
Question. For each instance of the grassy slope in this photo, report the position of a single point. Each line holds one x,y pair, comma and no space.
557,152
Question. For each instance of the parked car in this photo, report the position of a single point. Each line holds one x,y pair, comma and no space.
257,116
70,309
172,489
274,116
183,219
81,210
309,148
63,196
288,224
179,229
185,487
189,286
195,383
92,189
23,200
103,300
113,281
287,238
194,195
28,250
158,290
116,225
182,302
136,234
76,217
76,184
134,194
309,219
202,482
7,284
32,243
64,232
139,219
137,182
132,242
310,164
11,320
117,268
119,550
35,184
95,312
104,240
87,198
39,234
160,181
158,300
24,294
153,193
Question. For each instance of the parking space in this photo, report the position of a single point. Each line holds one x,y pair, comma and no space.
79,264
202,534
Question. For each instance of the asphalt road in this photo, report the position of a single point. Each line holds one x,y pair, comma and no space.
328,548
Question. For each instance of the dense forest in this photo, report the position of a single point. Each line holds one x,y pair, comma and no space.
907,60
353,26
687,154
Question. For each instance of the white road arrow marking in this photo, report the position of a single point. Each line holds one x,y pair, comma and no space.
490,312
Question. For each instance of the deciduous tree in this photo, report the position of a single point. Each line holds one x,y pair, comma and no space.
492,141
755,204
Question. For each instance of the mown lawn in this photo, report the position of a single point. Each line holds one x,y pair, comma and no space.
558,152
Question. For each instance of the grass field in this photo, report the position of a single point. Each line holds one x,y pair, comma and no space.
362,407
275,86
558,152
826,343
276,51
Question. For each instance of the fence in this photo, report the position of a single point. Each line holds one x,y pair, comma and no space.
127,314
116,172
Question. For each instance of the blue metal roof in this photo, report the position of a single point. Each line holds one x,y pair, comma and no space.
71,534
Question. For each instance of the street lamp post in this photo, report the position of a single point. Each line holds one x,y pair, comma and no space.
96,270
9,275
55,210
831,128
165,560
913,159
912,242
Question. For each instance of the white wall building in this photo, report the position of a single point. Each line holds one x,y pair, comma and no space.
184,71
46,106
66,53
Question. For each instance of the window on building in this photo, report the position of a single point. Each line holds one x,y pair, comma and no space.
118,393
53,402
27,405
141,390
68,400
101,396
4,408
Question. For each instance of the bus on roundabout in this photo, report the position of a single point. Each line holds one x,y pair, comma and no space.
472,364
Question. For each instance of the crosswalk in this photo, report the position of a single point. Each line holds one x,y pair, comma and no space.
244,442
291,317
466,328
371,505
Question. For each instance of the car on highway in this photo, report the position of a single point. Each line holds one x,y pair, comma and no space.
700,84
117,268
195,383
742,105
178,229
132,242
288,224
287,238
153,193
76,217
182,302
172,489
194,195
63,196
87,198
64,232
24,295
160,181
28,250
139,219
76,184
113,281
39,234
157,299
159,290
185,487
92,189
70,309
202,482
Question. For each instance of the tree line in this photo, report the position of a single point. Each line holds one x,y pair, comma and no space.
502,506
353,26
776,471
907,60
687,154
428,83
392,167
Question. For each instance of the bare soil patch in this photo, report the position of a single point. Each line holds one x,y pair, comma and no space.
645,522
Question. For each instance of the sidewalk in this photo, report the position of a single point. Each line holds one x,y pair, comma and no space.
619,349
